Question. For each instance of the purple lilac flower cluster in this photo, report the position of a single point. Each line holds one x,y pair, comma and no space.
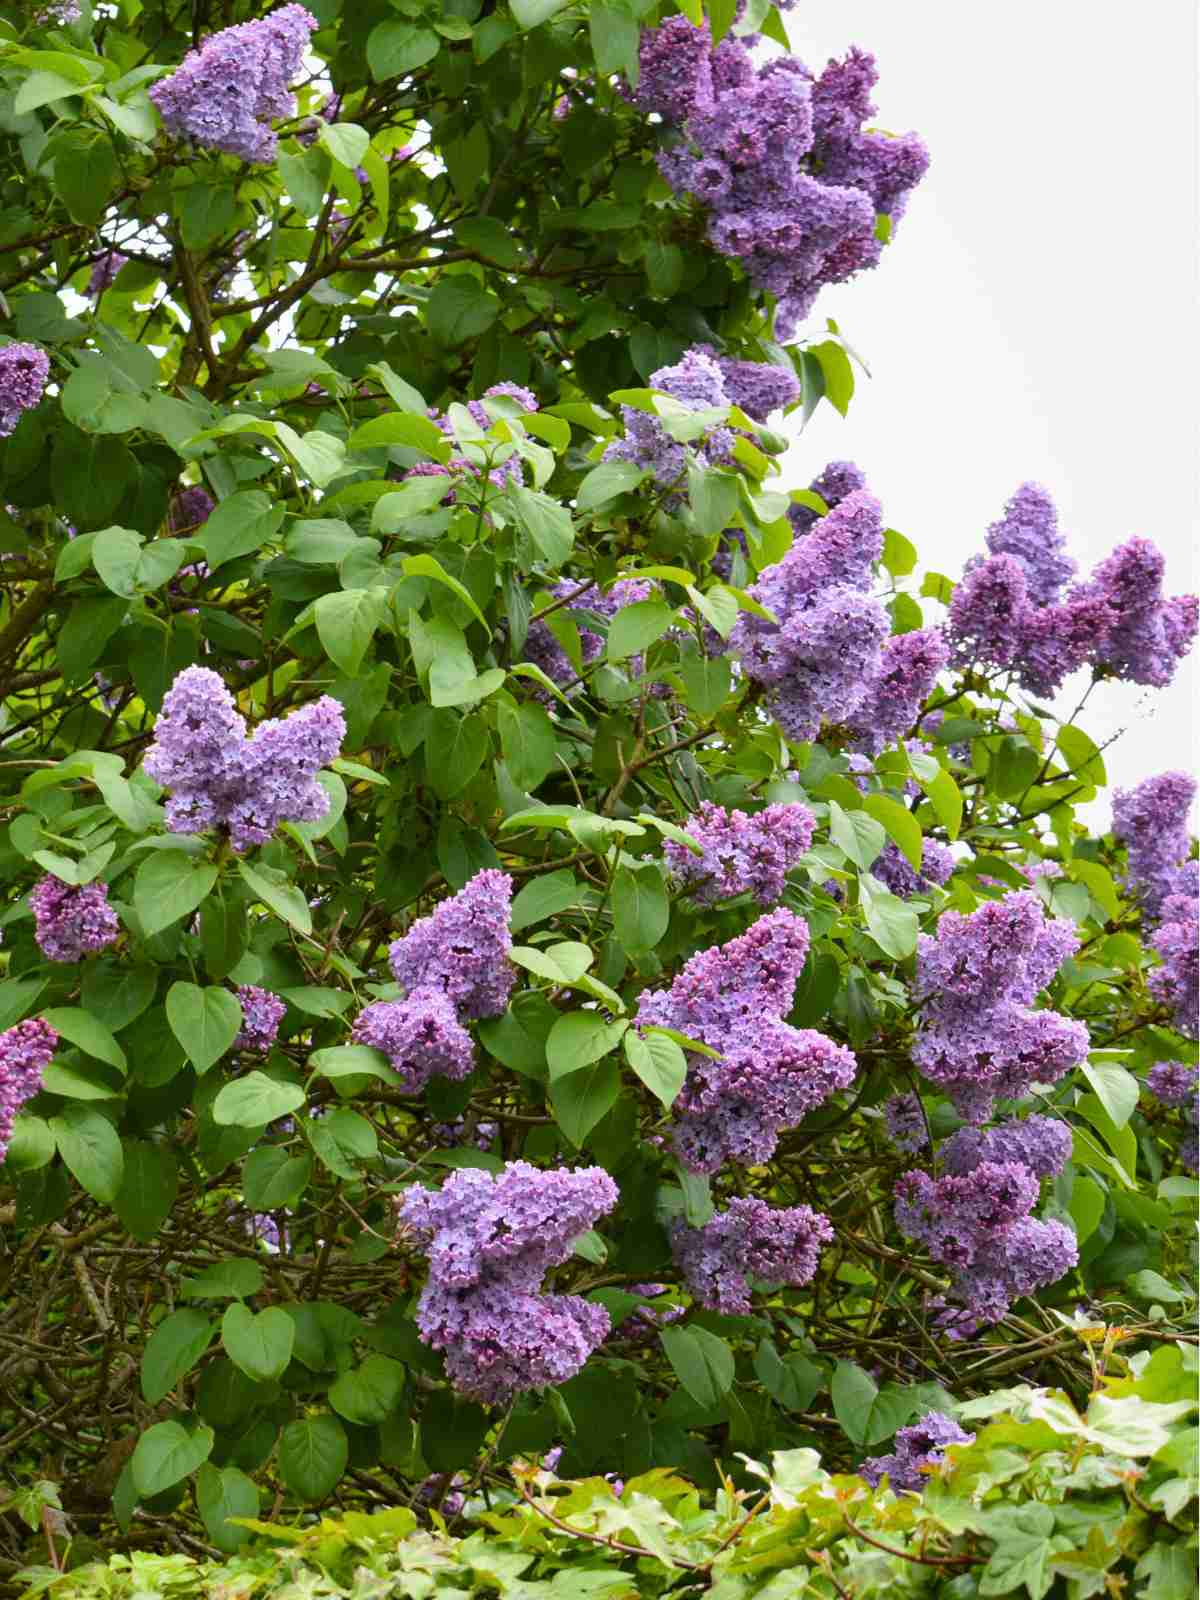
1152,822
104,272
544,650
72,921
748,1239
1176,941
220,779
894,869
508,471
977,1223
454,967
262,1012
741,854
904,1119
769,1075
490,1241
1042,1144
792,180
24,370
902,679
818,659
190,508
1013,610
226,94
25,1052
919,1448
1172,1083
755,387
697,382
978,1039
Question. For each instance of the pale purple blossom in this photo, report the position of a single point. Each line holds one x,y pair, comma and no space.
420,1035
749,1239
25,1052
262,1012
462,948
743,853
24,369
72,921
920,1448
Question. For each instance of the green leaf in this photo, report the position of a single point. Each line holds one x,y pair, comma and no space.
240,525
91,1150
205,212
794,1381
84,1030
546,522
346,142
946,799
352,1061
221,1493
837,372
892,924
370,1392
82,638
232,1279
1086,1206
637,626
1099,883
1115,1087
346,622
115,994
579,1038
658,1061
170,885
312,1456
148,1188
260,1345
395,48
702,1363
459,308
899,553
900,824
580,1099
205,1021
1083,755
857,835
641,908
166,1454
115,555
275,889
255,1100
713,496
532,13
488,236
272,1180
527,742
867,1413
428,567
459,747
606,482
172,1350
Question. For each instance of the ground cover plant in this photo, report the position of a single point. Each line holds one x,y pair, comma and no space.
532,941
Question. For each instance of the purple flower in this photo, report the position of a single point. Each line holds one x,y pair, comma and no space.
1028,531
977,1038
894,869
262,1012
226,94
1152,822
1042,1144
190,508
675,69
104,272
1148,635
490,1242
834,483
642,1325
696,382
72,922
220,779
757,387
1172,1083
1177,982
919,1448
769,1075
23,373
742,853
780,1245
459,1132
420,1035
905,1122
903,678
461,948
25,1052
544,650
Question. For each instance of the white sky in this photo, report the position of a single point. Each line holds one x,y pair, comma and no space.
1036,316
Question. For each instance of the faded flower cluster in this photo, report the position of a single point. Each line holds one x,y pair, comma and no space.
490,1241
740,853
768,1075
220,779
72,921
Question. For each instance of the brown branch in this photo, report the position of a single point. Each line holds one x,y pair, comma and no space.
890,1549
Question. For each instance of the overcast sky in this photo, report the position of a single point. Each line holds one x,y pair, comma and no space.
1036,316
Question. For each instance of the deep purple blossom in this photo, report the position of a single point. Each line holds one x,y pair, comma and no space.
977,1038
894,869
1172,1083
490,1241
24,370
104,272
780,1245
25,1052
900,684
262,1012
220,779
462,948
769,1075
742,853
420,1035
1152,822
919,1448
190,508
1177,982
226,94
72,922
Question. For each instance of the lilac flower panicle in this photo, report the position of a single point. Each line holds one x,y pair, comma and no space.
920,1448
833,483
1148,634
190,508
903,679
780,1245
490,1241
1172,1083
894,869
987,611
696,382
905,1123
1177,982
262,1012
742,853
420,1035
25,1052
104,272
72,922
675,69
1028,531
1152,822
757,387
461,948
769,1075
226,94
1042,1144
978,1039
24,370
219,778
